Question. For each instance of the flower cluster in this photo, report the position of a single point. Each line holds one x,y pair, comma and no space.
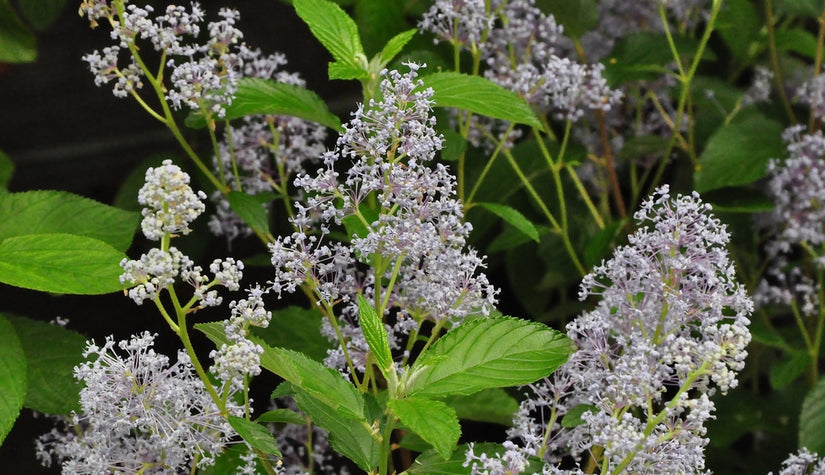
802,463
169,203
401,213
669,330
139,414
461,22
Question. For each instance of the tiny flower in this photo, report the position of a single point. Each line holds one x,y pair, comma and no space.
169,203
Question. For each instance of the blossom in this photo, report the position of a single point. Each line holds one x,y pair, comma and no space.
170,204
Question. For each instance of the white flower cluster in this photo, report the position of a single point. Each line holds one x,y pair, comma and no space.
169,203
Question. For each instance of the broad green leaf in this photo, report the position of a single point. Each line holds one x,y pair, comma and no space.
798,40
573,417
434,421
41,13
578,17
257,96
431,462
335,30
52,352
812,419
60,263
789,367
376,335
12,377
297,329
738,153
479,96
46,212
739,26
285,416
514,218
6,170
488,405
488,353
349,436
396,44
250,210
17,43
255,435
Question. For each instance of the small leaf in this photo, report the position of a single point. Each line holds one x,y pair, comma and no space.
376,335
12,377
250,210
255,435
257,96
488,405
45,212
285,416
434,421
396,44
335,30
479,96
6,170
488,353
738,153
512,216
60,263
573,417
17,43
52,352
812,419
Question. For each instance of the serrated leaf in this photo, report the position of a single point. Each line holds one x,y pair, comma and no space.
335,30
480,96
46,212
514,218
52,352
298,329
284,416
488,353
738,153
812,419
488,405
257,96
573,417
17,43
60,263
6,170
250,210
12,377
255,435
376,335
789,367
434,421
396,44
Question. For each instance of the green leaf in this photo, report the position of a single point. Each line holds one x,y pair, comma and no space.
808,8
228,461
12,377
573,417
511,237
297,329
512,216
47,212
41,13
488,353
6,171
17,43
454,145
376,335
434,421
431,463
336,31
285,416
257,96
578,17
812,419
250,210
255,435
798,40
643,54
488,405
738,200
60,263
378,21
52,352
346,71
396,44
599,245
789,367
739,26
738,153
479,96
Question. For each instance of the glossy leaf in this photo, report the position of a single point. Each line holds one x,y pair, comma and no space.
60,263
434,421
268,97
514,218
44,212
255,435
12,377
479,96
376,335
811,426
488,353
